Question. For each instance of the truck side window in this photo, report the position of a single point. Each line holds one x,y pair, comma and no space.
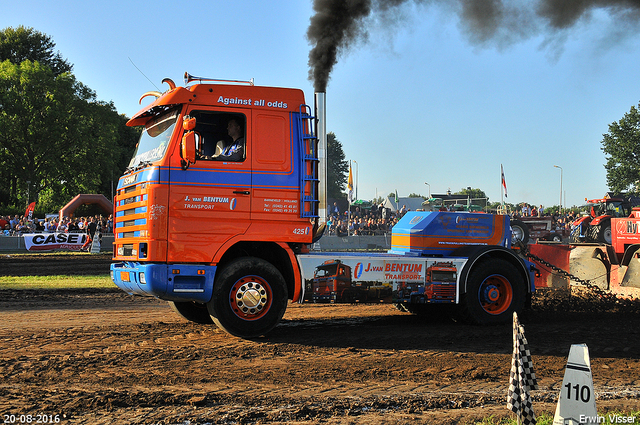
221,136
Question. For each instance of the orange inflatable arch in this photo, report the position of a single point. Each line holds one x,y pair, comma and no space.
100,200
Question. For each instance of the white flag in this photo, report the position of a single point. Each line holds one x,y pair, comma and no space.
504,182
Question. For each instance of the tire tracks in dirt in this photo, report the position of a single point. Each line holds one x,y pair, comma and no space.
106,357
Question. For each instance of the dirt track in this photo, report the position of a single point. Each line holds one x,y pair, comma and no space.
105,357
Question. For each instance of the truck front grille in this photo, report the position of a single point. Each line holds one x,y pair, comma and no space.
130,219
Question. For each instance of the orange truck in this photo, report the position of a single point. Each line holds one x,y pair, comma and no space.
331,282
225,194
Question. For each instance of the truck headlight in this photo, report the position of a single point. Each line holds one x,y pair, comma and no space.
143,280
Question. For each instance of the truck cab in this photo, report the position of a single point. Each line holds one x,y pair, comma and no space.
186,212
330,281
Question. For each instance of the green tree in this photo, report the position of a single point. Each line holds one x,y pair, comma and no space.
337,168
476,194
45,128
621,146
495,205
20,44
56,139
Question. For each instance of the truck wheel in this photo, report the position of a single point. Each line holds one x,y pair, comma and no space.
602,232
519,232
249,297
494,291
192,311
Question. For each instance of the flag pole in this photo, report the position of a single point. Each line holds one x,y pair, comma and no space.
349,197
501,188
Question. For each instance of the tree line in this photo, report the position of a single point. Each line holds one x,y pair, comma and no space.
56,139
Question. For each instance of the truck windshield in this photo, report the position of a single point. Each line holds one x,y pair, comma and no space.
155,139
443,276
326,271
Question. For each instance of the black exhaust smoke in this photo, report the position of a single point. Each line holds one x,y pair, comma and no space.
334,26
337,24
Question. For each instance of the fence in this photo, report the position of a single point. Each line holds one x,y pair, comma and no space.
326,243
16,243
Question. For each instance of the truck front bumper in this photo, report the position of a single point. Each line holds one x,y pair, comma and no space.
173,282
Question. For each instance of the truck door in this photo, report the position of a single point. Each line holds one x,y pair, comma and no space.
276,183
210,202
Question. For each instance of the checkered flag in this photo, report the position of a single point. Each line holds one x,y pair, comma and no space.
522,378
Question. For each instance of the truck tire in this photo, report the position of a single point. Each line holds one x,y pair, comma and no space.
495,290
192,311
519,232
601,233
249,297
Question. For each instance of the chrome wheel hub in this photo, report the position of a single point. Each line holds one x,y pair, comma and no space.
251,298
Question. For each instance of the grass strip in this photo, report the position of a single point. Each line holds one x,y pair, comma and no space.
55,282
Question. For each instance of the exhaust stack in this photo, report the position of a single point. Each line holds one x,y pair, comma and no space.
321,130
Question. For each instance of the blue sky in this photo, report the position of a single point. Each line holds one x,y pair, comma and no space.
416,102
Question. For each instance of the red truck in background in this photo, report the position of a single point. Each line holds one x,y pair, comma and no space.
225,193
440,285
331,281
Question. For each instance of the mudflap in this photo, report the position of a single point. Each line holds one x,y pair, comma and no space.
589,262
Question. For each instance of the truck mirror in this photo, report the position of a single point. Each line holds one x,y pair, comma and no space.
188,123
188,149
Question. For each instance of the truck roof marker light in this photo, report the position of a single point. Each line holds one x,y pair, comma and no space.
175,271
201,272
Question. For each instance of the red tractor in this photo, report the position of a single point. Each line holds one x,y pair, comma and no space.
595,225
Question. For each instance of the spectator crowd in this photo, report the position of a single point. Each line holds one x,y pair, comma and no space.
377,220
17,226
362,222
559,221
380,220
